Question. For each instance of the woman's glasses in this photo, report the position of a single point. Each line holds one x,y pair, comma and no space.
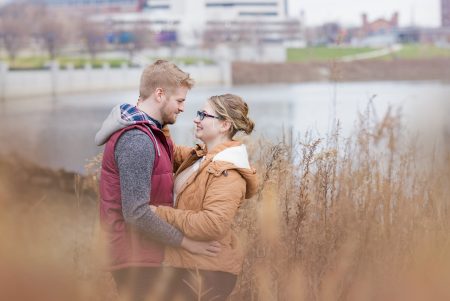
201,115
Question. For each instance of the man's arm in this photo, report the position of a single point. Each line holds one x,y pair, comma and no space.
135,155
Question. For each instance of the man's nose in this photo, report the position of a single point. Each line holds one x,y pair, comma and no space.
181,107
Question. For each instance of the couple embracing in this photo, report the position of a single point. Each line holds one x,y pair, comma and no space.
166,210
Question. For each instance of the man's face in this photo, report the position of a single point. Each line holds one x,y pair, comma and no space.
173,104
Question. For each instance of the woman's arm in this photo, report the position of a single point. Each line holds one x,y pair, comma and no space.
221,202
181,152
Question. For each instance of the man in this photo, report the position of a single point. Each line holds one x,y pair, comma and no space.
137,170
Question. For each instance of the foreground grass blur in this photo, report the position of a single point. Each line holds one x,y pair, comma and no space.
363,218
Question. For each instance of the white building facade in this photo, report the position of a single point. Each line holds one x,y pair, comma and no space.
239,26
194,17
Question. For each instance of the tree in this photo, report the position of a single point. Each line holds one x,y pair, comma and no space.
14,33
93,36
141,37
242,33
53,31
212,35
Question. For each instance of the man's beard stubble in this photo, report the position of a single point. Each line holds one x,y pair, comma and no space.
165,116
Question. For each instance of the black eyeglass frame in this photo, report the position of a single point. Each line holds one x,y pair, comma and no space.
201,115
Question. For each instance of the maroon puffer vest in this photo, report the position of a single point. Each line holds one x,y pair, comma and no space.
127,246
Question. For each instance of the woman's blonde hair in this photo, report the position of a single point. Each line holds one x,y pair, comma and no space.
165,75
233,109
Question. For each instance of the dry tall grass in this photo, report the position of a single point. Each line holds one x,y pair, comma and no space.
364,218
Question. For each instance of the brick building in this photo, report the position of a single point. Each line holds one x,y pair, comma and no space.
378,26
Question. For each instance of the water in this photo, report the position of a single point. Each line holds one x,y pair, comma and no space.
59,133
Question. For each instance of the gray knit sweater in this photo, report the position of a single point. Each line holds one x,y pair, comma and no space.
135,155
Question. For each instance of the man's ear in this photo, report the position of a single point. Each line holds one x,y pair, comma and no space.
159,92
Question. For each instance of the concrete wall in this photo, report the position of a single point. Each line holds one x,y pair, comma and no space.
17,84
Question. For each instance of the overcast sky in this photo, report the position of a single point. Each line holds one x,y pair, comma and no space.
348,12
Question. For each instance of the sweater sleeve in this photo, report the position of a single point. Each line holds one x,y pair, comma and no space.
223,197
135,155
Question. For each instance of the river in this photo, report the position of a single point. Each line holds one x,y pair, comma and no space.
59,132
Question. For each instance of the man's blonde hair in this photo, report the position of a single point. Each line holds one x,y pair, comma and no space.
165,75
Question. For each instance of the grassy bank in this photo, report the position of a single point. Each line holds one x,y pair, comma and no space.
363,218
419,52
39,62
326,54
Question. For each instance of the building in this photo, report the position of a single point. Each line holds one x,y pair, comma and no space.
250,10
207,22
95,6
445,13
210,22
377,33
165,18
253,22
378,26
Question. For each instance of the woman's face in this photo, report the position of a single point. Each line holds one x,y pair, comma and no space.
210,128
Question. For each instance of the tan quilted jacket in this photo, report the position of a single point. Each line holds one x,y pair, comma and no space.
207,204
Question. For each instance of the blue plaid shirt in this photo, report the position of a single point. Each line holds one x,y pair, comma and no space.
132,113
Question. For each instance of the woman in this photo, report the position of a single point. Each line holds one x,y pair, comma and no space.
212,180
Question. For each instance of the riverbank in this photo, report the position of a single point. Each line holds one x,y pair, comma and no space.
244,73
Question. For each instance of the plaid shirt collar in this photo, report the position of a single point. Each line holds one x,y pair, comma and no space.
132,113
